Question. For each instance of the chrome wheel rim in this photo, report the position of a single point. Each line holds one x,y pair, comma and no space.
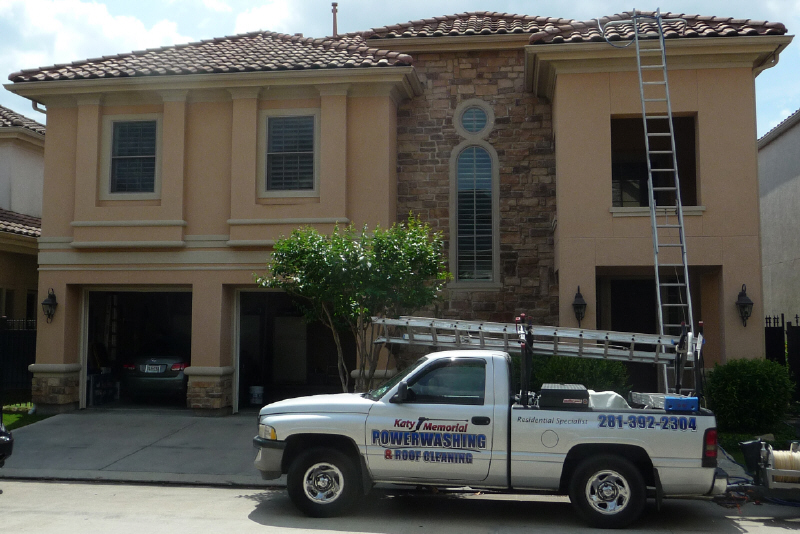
608,492
323,483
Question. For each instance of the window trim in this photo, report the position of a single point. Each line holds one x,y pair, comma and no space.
494,282
263,131
459,113
105,156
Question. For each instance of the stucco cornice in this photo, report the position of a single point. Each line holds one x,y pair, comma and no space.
401,82
543,63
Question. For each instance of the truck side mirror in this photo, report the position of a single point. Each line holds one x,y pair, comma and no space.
401,395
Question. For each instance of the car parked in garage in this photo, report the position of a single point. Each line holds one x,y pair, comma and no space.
155,375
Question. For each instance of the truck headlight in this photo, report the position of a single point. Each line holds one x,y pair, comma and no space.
266,432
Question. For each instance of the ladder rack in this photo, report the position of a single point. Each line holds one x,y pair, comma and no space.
548,340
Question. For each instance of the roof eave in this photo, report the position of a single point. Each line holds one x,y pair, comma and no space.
780,129
403,78
543,62
18,243
23,134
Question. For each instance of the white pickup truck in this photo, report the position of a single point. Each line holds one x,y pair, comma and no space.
452,420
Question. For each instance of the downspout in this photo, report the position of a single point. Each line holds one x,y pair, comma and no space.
36,107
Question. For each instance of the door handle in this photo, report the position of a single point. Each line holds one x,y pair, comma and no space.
480,420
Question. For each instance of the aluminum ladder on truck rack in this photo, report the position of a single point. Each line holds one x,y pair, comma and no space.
547,340
673,297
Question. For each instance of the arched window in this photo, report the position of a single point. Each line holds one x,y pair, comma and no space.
474,218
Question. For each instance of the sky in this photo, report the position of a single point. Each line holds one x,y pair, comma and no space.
35,33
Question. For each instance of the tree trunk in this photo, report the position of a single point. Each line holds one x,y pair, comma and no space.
344,376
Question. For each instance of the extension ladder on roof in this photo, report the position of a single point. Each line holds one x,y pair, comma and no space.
674,300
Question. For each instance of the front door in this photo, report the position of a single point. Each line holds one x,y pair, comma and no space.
442,432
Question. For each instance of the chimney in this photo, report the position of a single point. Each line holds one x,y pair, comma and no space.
334,10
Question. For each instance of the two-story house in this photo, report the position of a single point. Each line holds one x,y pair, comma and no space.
21,172
170,173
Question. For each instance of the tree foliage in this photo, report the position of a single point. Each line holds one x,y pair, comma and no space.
345,279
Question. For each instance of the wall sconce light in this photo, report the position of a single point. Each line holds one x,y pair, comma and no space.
49,305
579,306
744,305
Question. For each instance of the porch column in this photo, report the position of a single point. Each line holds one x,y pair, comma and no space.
56,373
210,389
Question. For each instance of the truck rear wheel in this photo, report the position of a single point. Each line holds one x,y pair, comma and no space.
607,491
322,482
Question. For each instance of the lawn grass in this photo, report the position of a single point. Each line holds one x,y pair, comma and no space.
17,416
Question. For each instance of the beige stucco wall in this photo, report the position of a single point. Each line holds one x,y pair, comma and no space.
209,231
723,233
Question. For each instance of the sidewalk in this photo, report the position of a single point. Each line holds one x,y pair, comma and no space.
135,445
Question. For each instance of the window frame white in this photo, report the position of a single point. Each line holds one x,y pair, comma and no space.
263,132
474,139
106,147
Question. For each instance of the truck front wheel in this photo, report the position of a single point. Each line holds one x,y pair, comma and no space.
607,491
322,482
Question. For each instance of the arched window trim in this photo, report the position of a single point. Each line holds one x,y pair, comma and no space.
494,282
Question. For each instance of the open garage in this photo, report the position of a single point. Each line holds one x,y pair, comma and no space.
138,346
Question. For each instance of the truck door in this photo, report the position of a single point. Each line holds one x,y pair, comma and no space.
442,431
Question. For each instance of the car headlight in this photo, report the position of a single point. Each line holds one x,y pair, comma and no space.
266,432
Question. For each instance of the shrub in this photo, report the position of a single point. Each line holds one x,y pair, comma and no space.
599,375
749,396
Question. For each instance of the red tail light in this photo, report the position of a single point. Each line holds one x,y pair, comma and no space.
710,448
129,367
178,367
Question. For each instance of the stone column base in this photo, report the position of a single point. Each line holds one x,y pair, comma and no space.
210,390
56,387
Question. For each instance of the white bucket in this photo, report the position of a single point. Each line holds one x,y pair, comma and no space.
256,395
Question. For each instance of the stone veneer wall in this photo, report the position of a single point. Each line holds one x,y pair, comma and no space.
523,139
213,394
56,392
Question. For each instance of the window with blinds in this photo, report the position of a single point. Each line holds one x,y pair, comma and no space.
474,215
133,157
290,153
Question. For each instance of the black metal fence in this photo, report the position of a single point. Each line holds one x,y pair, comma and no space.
782,343
17,352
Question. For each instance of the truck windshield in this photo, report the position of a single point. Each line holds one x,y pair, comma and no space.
377,393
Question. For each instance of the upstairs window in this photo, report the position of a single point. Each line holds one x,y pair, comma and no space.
133,157
290,153
474,215
629,161
130,157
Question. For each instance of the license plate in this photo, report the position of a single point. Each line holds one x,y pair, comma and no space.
152,368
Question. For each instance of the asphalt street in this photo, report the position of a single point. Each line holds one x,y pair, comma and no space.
74,507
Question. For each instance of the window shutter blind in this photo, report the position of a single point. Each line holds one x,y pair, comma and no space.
133,157
290,153
474,219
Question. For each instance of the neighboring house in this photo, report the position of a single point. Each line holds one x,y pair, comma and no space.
170,173
779,187
21,174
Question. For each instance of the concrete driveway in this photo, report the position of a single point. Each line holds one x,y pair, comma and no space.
149,445
139,446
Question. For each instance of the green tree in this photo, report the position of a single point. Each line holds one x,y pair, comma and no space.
345,279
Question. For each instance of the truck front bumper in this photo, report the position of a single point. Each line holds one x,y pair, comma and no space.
269,457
